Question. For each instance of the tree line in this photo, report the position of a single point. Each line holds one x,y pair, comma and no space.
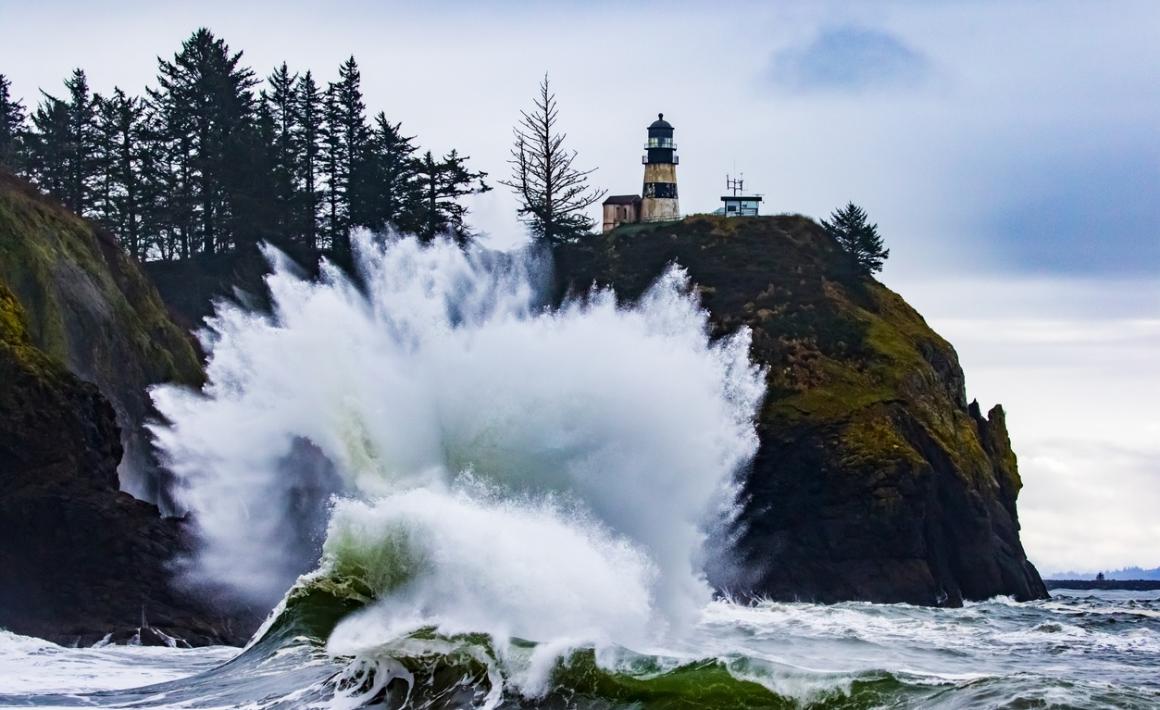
211,159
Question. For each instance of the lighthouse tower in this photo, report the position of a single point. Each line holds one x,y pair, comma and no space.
659,198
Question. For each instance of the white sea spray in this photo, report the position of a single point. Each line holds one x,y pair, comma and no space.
496,466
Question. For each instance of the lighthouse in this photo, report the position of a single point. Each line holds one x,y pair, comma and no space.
659,198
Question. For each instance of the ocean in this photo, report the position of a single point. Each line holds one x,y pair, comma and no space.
1080,649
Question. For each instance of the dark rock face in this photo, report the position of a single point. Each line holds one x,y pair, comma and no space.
80,559
874,480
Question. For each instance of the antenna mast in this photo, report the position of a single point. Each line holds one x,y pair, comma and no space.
736,185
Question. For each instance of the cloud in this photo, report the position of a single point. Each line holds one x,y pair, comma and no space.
1069,213
849,59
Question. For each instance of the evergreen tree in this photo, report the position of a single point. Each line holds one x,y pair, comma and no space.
850,227
282,154
553,194
83,165
441,185
11,127
388,191
344,140
261,211
206,105
48,146
63,153
173,140
331,156
126,170
310,111
172,143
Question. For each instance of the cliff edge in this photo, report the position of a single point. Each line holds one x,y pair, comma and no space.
90,307
875,479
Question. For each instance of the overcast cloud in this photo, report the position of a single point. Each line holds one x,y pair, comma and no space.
849,59
1009,152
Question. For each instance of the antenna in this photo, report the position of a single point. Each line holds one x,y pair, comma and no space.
736,185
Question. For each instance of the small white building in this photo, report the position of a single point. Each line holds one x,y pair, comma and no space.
738,204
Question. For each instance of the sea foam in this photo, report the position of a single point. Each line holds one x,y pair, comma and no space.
482,462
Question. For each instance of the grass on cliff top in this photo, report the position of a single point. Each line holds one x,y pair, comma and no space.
833,339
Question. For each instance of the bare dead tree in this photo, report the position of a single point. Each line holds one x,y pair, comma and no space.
553,194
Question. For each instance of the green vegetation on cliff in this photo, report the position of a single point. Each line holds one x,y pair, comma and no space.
91,307
52,426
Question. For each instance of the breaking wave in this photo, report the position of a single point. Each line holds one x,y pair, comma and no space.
463,458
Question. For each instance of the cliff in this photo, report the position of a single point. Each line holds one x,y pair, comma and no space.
90,307
80,558
875,479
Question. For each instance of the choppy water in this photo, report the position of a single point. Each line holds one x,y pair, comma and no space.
1079,649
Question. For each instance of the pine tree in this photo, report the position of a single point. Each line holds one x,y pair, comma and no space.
83,164
852,231
388,191
173,139
309,106
62,152
441,186
48,146
344,140
331,155
126,166
282,153
553,194
12,117
260,211
206,106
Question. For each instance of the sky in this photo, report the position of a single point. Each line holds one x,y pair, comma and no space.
1009,152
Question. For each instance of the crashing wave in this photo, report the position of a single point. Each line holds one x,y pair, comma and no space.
480,463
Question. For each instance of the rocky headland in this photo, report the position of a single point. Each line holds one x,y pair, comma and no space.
875,479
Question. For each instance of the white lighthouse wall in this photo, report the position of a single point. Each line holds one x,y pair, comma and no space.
659,209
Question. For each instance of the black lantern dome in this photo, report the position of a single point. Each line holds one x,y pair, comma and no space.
660,145
661,123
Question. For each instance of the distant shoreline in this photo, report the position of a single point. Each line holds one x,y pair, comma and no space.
1135,585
